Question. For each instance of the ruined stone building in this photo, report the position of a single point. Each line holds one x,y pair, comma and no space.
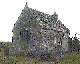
35,30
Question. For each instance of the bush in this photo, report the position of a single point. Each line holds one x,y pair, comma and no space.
75,45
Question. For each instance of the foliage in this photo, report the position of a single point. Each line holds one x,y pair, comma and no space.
74,45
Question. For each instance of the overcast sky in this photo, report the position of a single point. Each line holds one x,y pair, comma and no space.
68,13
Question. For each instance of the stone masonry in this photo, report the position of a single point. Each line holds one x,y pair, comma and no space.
37,32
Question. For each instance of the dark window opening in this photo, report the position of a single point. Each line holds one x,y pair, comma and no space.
12,39
40,32
14,24
51,29
41,19
45,21
36,16
25,35
60,41
29,21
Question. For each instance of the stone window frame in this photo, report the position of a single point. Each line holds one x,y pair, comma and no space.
23,34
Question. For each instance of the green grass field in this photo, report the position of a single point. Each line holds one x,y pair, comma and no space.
69,58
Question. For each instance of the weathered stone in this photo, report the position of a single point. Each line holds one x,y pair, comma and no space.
39,33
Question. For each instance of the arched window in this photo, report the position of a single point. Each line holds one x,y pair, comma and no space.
60,42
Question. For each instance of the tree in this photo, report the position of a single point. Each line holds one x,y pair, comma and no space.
76,44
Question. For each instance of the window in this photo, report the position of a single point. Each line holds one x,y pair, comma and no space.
60,42
51,29
25,35
12,39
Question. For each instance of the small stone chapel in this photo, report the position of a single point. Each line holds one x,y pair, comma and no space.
36,30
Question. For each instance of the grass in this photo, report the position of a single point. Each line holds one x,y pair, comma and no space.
69,58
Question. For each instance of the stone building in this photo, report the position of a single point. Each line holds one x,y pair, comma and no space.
35,30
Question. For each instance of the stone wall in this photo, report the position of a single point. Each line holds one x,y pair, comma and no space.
38,32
